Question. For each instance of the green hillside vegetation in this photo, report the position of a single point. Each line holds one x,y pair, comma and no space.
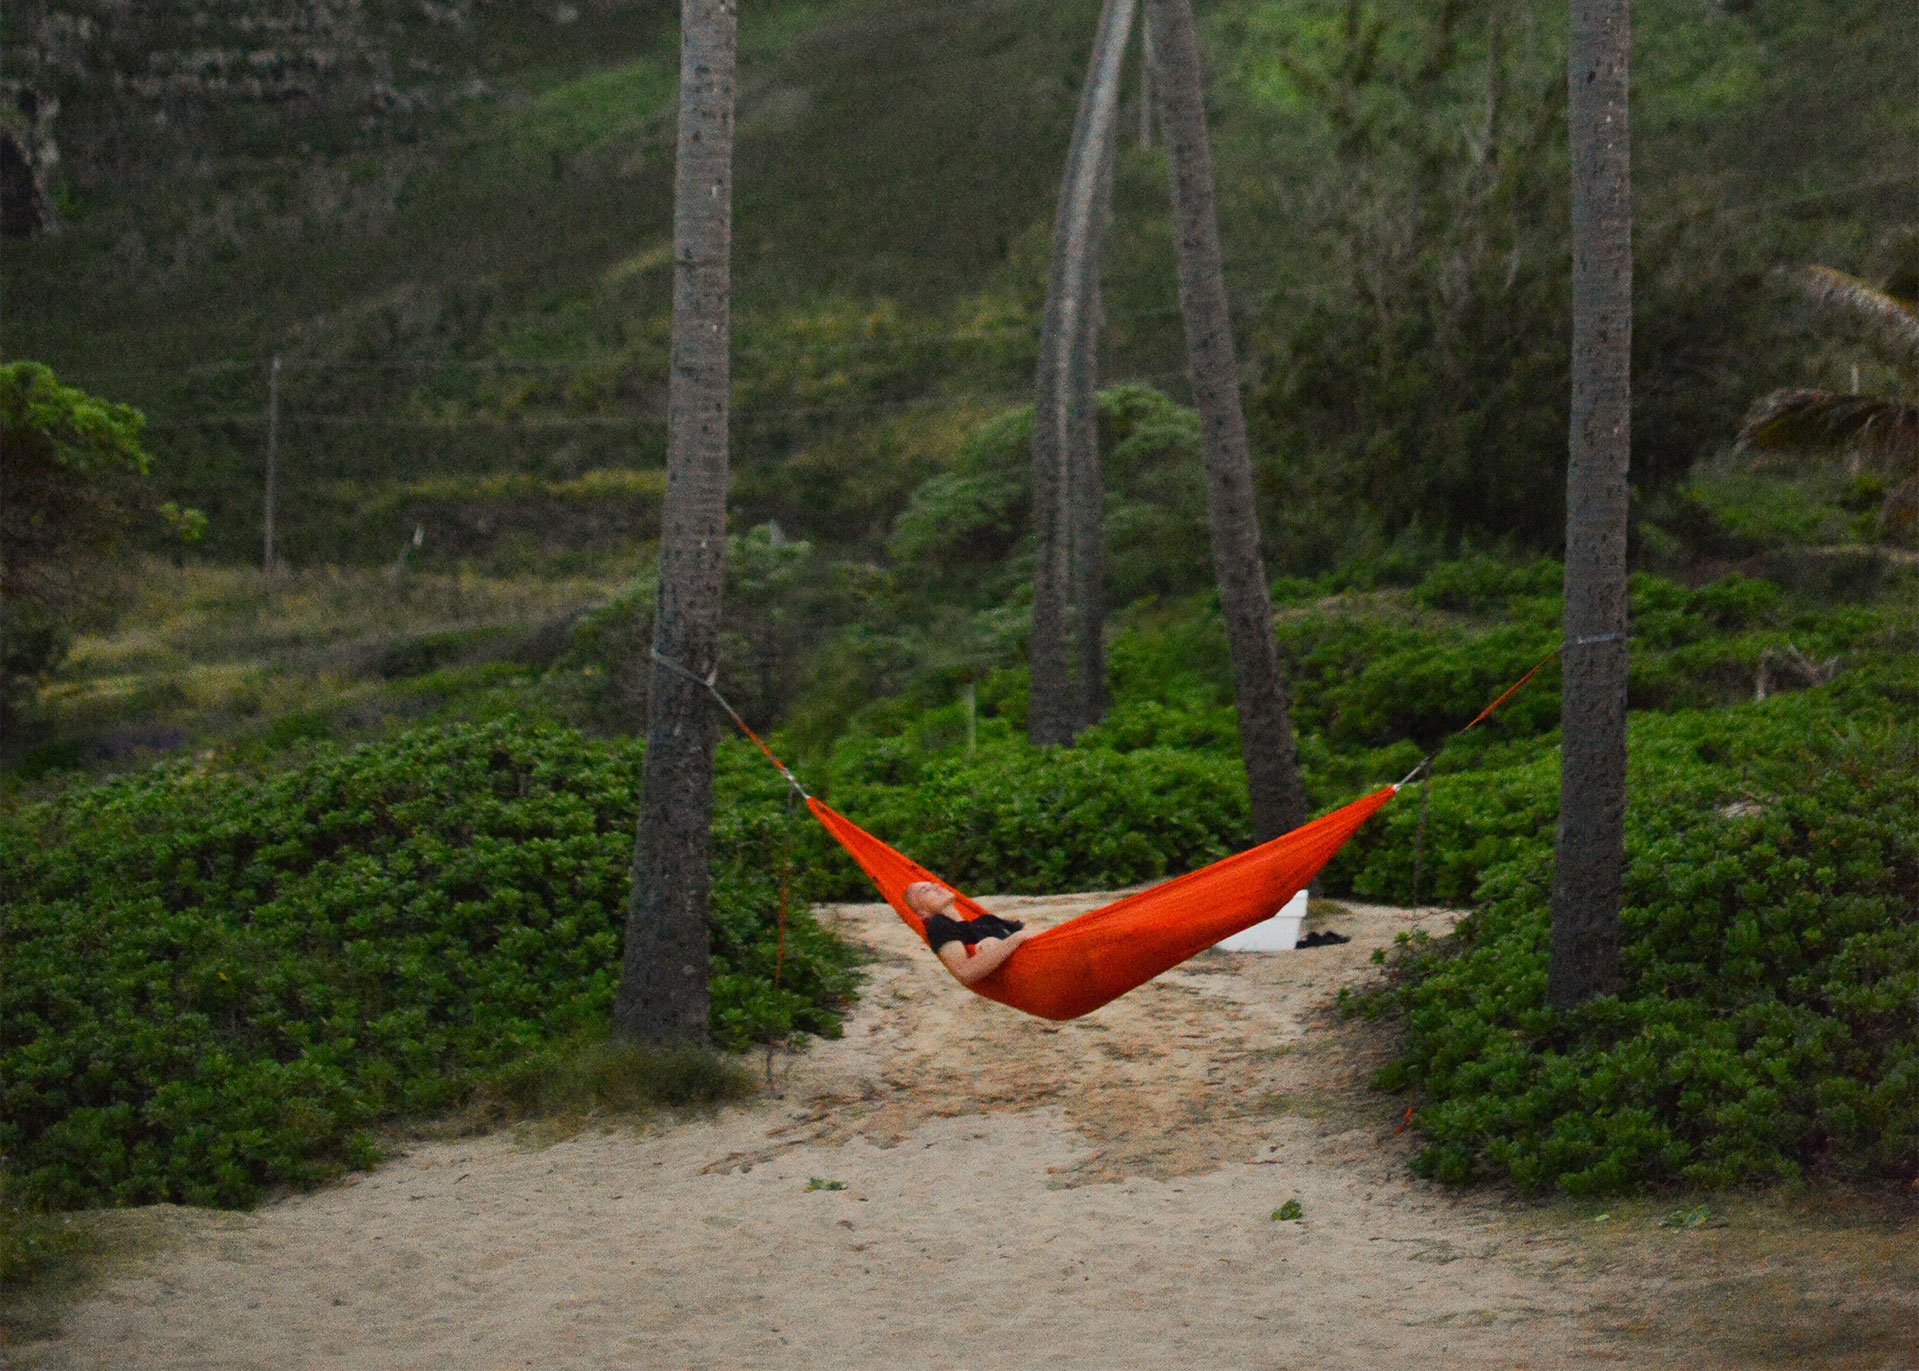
480,285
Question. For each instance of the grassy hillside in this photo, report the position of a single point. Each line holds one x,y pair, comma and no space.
473,277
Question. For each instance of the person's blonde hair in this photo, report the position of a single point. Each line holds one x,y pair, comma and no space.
920,885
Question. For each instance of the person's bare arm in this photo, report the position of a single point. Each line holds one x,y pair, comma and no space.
984,962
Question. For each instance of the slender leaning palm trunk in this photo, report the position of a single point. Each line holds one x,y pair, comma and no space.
1589,872
1086,490
1059,383
663,982
1259,684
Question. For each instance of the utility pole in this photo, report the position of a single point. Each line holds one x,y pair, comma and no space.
273,454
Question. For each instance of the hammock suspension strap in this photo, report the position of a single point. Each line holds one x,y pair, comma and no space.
1504,696
706,683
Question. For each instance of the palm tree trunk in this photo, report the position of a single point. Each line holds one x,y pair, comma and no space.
1055,705
1589,872
1086,500
1086,490
1145,81
663,980
1259,684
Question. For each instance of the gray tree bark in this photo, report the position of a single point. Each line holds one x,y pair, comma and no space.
663,979
1259,682
1145,81
1590,852
1086,489
1086,503
1057,707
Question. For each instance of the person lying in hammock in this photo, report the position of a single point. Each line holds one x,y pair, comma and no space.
992,938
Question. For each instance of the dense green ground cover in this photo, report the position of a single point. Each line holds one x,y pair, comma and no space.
1767,1028
213,982
220,974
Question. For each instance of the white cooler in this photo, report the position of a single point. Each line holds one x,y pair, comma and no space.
1277,934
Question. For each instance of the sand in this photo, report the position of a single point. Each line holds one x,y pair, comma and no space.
951,1184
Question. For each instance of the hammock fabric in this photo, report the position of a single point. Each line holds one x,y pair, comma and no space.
1075,967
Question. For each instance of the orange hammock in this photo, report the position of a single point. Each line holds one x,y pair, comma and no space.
1075,967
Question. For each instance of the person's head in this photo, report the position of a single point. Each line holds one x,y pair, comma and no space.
929,897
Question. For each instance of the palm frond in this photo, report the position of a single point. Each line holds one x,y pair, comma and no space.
1824,421
1897,320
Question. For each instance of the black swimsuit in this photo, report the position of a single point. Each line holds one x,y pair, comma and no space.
941,930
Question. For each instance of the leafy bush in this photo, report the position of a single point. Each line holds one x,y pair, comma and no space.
1369,681
32,1242
211,983
72,489
1482,583
1772,954
965,531
1473,822
589,1073
958,518
1745,510
1015,818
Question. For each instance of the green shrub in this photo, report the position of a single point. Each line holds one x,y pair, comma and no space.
1772,956
965,532
211,983
1477,585
589,1073
1750,510
1015,818
1473,822
32,1242
959,519
74,499
1368,681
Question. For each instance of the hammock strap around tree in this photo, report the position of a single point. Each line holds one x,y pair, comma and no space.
1504,696
707,683
1075,967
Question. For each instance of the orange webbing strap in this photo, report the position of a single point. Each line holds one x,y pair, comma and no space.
706,684
1510,691
1506,695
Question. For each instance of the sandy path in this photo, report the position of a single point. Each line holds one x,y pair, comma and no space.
1094,1194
